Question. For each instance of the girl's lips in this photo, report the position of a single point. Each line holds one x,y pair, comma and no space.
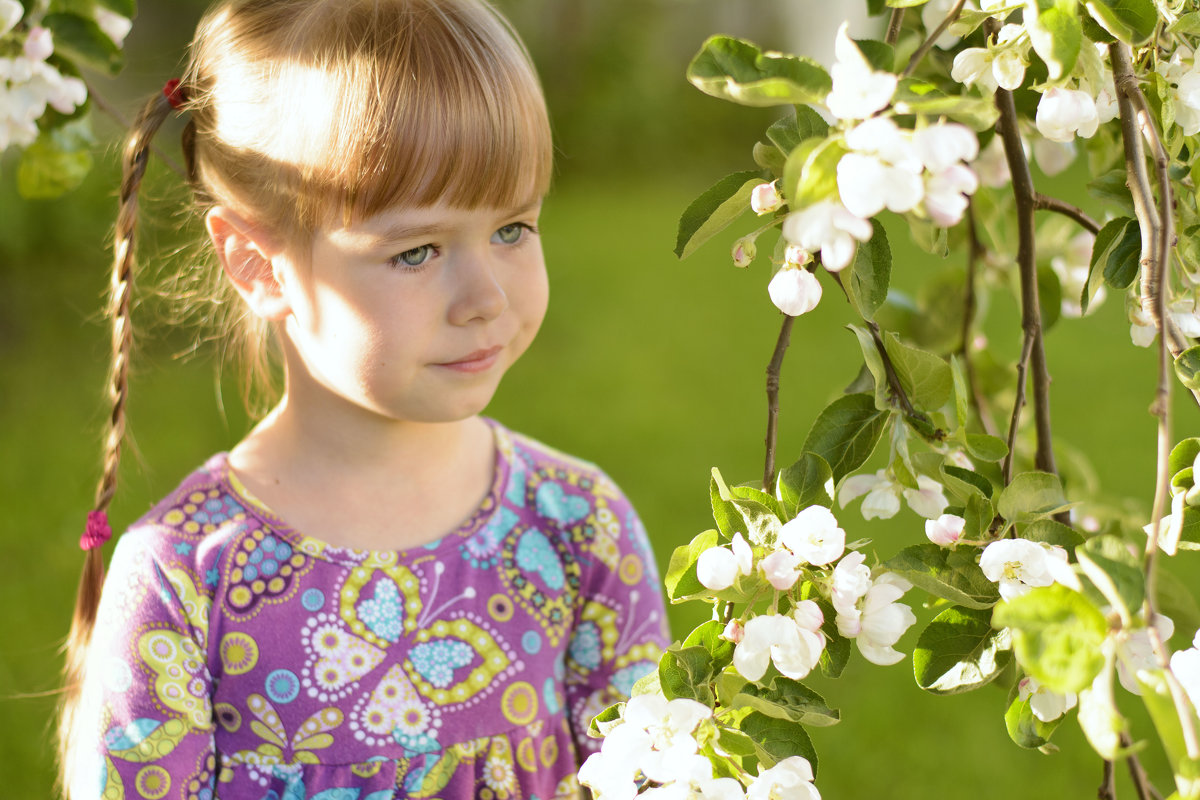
478,361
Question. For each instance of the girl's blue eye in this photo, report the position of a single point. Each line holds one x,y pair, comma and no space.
413,258
512,233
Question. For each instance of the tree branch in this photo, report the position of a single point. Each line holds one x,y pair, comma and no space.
896,388
773,369
1044,202
1108,784
975,250
927,45
1156,228
1141,784
1033,347
895,21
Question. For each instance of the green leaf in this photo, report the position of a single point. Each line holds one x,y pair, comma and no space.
1188,24
880,55
1031,496
80,39
1057,635
962,393
1056,35
1183,455
873,363
776,739
605,721
871,273
925,377
736,70
810,174
978,514
1131,21
985,447
1050,291
1109,565
725,513
715,210
708,636
1187,367
788,699
1024,728
959,651
126,8
1157,698
54,164
687,673
760,512
1107,239
949,573
1053,532
789,132
802,484
1110,187
919,96
680,581
846,432
1124,260
965,482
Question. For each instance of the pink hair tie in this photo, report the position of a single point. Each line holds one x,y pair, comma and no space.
97,531
175,94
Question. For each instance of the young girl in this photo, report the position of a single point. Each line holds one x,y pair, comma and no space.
377,593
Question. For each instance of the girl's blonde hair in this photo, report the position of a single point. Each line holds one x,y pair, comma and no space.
305,113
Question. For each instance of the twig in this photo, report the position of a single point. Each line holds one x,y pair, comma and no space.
895,21
1156,228
975,250
1141,784
1018,403
1033,347
1108,784
927,45
773,369
102,104
1044,202
896,388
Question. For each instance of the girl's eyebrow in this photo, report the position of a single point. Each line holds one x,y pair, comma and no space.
399,231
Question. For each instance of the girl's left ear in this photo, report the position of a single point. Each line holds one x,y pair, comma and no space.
247,258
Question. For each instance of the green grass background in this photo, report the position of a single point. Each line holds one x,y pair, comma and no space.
652,367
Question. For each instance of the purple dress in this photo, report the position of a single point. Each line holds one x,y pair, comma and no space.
236,658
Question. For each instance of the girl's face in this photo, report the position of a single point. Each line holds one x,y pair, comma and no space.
416,313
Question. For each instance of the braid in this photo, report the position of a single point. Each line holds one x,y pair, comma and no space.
134,160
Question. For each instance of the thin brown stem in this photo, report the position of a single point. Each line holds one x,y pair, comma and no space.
1108,783
1155,222
773,370
1046,203
1141,784
1033,348
975,251
895,387
1018,404
895,23
927,45
99,102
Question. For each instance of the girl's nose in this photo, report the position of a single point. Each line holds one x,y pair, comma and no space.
478,295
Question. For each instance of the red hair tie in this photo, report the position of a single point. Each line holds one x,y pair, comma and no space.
175,94
96,532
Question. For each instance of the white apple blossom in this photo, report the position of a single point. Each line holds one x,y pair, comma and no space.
662,729
39,44
1045,704
1019,565
945,144
945,530
765,198
928,499
1182,74
991,167
1186,666
743,251
946,194
115,26
1135,653
881,171
792,642
873,618
781,569
814,536
1063,113
694,780
1186,315
858,90
1072,269
27,86
718,567
794,291
882,499
790,779
1142,329
974,66
1000,65
1051,156
829,227
10,14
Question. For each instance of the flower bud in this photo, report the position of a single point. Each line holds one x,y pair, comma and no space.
744,251
10,14
795,256
794,291
39,44
765,198
946,530
734,631
1061,113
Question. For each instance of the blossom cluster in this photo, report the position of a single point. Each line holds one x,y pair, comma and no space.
29,83
656,745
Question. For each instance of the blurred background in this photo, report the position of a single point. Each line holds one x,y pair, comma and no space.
651,367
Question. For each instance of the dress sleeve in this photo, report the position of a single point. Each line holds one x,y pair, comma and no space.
145,723
621,624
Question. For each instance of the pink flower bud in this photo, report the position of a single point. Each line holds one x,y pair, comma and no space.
38,44
744,251
734,631
945,530
765,198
